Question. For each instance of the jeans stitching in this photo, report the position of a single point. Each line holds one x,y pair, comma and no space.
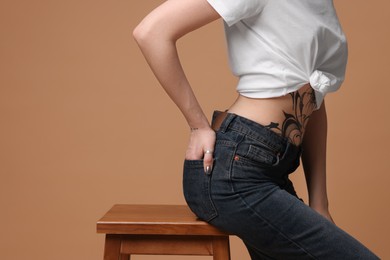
265,221
208,206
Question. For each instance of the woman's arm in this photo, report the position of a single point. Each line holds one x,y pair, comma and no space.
156,36
314,161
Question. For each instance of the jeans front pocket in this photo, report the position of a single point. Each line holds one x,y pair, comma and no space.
196,186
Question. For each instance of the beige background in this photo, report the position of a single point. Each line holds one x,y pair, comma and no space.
84,124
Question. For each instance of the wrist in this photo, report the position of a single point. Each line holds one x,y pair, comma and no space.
205,127
319,204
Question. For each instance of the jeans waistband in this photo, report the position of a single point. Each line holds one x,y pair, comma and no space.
224,121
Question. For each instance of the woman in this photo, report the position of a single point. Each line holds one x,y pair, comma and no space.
288,55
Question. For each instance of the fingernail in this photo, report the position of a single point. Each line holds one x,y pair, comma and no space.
208,170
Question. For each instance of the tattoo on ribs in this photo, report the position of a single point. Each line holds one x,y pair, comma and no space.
294,124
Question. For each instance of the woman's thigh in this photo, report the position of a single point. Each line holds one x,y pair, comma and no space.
274,223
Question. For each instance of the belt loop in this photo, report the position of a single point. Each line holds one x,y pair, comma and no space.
221,120
286,149
226,122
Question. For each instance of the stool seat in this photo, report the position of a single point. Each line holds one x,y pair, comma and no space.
159,230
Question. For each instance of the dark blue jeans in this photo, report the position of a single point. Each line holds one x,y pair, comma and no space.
249,194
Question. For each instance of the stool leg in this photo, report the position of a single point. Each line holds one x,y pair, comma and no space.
112,247
221,248
124,257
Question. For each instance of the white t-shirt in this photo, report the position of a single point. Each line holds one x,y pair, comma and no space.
277,46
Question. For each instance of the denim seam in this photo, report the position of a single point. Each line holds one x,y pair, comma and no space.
247,133
215,214
266,221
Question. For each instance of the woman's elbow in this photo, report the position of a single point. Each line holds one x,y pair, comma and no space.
140,34
148,31
151,31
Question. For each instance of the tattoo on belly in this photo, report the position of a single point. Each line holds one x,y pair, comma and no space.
294,123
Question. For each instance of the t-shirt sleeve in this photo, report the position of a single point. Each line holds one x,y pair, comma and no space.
233,11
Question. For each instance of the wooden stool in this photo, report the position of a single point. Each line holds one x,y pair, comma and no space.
159,230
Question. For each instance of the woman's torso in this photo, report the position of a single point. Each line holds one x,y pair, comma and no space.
287,54
287,115
284,45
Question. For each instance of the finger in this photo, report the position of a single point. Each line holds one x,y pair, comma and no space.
208,161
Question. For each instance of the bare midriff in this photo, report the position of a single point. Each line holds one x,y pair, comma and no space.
286,115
